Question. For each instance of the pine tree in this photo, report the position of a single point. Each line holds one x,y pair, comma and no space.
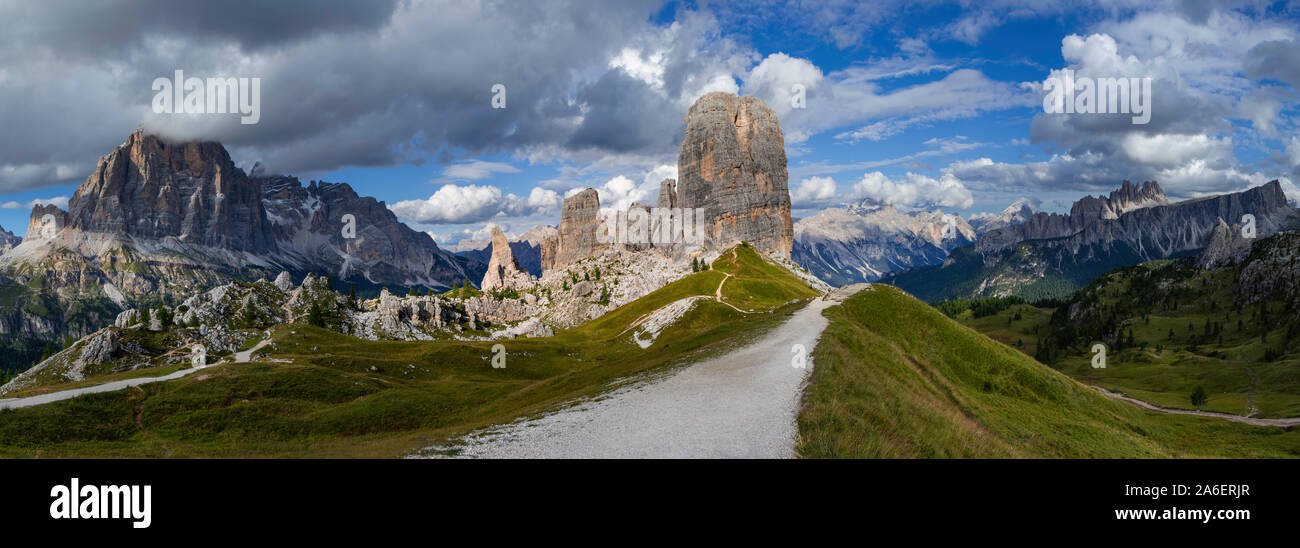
248,318
315,316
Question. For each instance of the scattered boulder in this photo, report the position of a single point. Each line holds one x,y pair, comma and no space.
127,318
582,289
284,282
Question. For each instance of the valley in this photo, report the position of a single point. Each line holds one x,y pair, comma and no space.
1171,328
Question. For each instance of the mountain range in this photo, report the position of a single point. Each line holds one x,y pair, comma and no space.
865,241
156,220
1052,255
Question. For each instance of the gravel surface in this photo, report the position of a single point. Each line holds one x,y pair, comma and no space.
741,405
14,403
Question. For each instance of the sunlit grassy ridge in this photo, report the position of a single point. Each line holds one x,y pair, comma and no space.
893,377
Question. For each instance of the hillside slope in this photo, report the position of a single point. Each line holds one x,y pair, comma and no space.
896,378
316,392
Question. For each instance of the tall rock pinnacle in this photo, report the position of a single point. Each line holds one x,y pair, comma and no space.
579,231
502,270
732,163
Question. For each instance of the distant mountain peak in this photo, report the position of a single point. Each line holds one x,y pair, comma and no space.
1018,212
863,242
188,203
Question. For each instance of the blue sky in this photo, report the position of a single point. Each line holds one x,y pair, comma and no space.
923,105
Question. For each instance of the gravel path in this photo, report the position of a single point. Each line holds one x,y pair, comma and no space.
14,403
1284,422
741,405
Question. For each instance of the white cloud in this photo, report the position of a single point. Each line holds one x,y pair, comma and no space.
60,201
474,170
659,173
1293,152
542,198
812,191
1172,150
454,204
621,192
915,190
646,68
775,77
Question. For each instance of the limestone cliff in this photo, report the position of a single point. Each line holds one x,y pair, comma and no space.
732,163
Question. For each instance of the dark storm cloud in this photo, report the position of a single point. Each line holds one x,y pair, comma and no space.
370,84
101,29
1275,59
616,117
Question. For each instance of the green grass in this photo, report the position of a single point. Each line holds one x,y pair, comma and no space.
1253,369
896,378
321,394
756,284
462,292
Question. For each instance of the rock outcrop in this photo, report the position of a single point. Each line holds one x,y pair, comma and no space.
732,163
579,235
157,219
502,271
527,249
1227,246
8,240
46,221
667,193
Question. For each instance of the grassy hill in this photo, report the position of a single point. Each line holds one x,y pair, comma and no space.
322,394
1171,329
894,377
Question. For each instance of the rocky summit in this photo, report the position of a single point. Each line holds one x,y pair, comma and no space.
731,166
579,233
1227,246
8,240
157,219
191,191
1086,212
732,163
327,227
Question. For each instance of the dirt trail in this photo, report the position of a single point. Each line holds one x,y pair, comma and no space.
1283,423
50,397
